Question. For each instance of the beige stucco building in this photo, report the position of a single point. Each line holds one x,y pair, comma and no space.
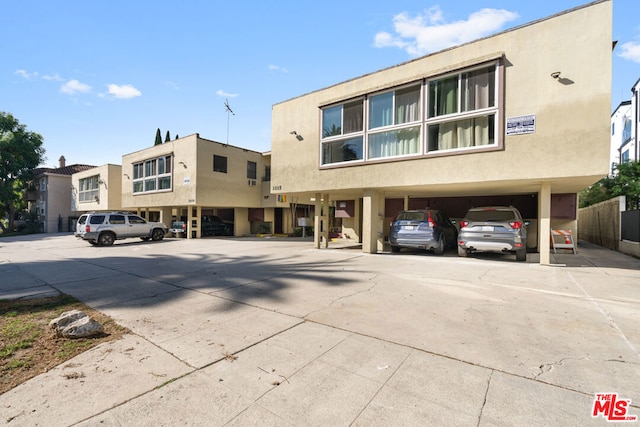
191,177
520,118
97,189
49,196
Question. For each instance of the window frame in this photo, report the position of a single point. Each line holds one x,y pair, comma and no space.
220,169
494,116
88,189
148,177
329,142
462,115
252,170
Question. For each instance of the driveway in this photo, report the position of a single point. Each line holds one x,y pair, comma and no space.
242,331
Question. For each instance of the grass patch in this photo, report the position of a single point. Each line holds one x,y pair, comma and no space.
28,346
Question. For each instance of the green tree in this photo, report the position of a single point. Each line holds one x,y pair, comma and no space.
158,138
167,137
21,152
624,182
627,183
177,136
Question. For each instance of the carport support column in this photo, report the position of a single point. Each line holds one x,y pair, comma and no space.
544,221
372,222
321,221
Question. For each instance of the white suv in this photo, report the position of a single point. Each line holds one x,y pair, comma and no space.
104,228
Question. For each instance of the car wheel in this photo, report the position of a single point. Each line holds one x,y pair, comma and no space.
521,255
157,234
439,250
395,249
462,251
106,239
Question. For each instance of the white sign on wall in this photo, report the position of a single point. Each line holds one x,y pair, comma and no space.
520,125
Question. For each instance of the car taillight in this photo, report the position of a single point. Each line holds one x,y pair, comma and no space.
463,224
87,228
516,224
432,223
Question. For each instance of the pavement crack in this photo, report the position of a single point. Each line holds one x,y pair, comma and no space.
486,393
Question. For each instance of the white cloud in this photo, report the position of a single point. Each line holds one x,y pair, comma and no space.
630,51
74,86
55,77
429,32
220,92
277,68
26,75
123,91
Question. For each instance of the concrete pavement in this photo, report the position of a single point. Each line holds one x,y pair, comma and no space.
241,331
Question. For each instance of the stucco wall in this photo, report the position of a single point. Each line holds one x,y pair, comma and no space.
568,148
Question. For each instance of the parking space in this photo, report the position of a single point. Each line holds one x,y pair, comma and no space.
271,331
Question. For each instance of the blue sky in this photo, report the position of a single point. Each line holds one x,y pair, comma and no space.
97,78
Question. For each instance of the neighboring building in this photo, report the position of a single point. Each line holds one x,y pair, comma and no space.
51,198
191,177
621,136
97,189
520,118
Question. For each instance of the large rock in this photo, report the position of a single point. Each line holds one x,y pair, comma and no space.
76,324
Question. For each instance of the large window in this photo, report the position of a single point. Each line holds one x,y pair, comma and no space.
394,123
454,112
462,110
89,191
342,132
152,175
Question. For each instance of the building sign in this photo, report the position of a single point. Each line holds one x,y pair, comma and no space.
521,125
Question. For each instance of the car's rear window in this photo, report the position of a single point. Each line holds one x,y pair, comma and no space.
96,219
412,216
490,215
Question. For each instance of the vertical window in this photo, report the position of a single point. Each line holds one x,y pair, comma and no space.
394,123
342,130
252,170
462,110
219,164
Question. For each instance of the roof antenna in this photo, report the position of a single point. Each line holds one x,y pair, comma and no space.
229,110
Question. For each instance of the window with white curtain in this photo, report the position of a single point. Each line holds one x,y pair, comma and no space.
394,123
462,110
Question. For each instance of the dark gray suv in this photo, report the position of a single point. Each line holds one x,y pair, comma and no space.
493,229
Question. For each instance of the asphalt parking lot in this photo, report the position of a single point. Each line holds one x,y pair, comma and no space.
249,331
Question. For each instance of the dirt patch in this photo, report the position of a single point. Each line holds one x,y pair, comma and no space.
28,345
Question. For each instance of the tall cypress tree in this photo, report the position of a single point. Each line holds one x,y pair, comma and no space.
158,138
167,137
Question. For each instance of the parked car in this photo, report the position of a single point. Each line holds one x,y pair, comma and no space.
493,229
104,228
212,225
422,229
